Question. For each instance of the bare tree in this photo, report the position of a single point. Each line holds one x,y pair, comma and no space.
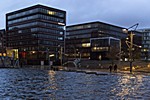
113,53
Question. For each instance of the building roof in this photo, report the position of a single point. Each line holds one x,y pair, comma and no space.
95,22
34,6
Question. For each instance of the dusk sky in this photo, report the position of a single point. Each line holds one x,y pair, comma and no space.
123,13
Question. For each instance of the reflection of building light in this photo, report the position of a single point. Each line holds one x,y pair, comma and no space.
125,85
52,80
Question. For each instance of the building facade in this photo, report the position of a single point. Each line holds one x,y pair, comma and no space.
145,44
102,48
2,42
80,39
37,32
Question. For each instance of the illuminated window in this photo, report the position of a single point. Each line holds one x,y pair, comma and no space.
51,13
145,50
86,44
86,54
100,49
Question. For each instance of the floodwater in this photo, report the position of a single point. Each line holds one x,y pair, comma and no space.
59,85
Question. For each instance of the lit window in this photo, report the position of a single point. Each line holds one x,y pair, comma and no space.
100,49
145,50
51,13
61,23
86,44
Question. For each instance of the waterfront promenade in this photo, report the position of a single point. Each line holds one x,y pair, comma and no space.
103,66
95,66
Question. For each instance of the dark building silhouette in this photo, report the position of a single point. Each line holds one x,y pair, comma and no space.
94,40
80,39
2,42
37,32
145,44
103,48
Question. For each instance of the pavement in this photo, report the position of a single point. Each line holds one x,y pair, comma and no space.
99,71
143,71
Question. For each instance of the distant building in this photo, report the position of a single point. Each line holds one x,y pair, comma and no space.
37,32
91,40
145,44
2,42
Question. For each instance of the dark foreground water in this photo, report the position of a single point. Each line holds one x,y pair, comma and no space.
50,85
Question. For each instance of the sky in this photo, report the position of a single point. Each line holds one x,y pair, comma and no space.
124,13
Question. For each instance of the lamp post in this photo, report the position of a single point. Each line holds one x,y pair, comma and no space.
130,50
131,44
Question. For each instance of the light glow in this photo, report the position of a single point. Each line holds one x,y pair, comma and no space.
51,13
86,44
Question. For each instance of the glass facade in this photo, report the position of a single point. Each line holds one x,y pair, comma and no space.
146,44
48,25
37,16
37,29
100,47
37,10
78,38
2,42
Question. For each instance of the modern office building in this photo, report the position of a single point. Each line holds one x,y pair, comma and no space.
91,40
102,47
145,44
37,32
2,43
94,40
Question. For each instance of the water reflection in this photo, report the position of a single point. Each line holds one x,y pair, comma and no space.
46,84
52,80
129,87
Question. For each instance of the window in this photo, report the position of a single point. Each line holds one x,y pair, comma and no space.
86,44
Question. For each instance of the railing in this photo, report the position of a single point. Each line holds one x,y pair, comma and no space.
76,63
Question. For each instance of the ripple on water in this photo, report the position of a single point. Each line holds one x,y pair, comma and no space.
45,84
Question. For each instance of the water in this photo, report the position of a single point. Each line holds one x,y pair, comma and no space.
59,85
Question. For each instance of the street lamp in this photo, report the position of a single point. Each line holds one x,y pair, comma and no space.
130,43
